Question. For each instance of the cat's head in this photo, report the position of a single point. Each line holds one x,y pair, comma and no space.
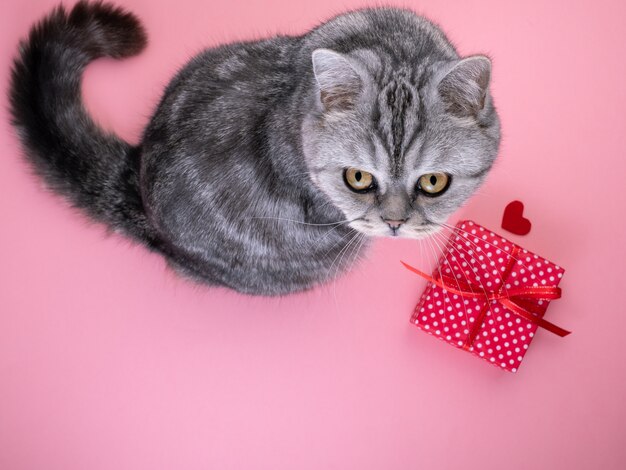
398,148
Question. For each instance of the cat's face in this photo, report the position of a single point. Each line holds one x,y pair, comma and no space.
397,158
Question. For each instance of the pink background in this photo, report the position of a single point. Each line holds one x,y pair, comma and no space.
108,361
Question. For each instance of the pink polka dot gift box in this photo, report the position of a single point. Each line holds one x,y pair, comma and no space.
488,296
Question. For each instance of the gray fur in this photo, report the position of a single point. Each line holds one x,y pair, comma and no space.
240,170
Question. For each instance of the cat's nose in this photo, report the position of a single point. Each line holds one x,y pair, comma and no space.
394,223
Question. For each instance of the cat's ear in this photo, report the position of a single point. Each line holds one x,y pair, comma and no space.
464,88
339,83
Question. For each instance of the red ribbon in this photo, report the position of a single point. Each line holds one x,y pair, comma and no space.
515,299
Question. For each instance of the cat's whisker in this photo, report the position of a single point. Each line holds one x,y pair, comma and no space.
356,250
479,280
352,237
319,240
305,223
421,247
335,272
475,245
443,319
458,229
461,300
323,237
343,237
457,282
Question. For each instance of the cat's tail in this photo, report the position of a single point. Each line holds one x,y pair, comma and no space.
95,170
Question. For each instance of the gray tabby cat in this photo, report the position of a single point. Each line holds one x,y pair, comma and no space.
267,165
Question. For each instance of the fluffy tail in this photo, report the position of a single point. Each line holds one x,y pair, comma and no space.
96,171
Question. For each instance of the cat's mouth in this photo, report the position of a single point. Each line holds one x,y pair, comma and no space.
416,232
403,231
377,226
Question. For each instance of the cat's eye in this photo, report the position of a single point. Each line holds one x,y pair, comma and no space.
433,184
358,180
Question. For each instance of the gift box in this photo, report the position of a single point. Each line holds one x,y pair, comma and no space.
488,296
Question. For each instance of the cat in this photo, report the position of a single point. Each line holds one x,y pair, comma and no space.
268,165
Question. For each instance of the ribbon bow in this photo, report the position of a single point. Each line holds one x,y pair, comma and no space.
514,299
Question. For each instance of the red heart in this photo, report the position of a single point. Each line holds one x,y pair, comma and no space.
513,221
